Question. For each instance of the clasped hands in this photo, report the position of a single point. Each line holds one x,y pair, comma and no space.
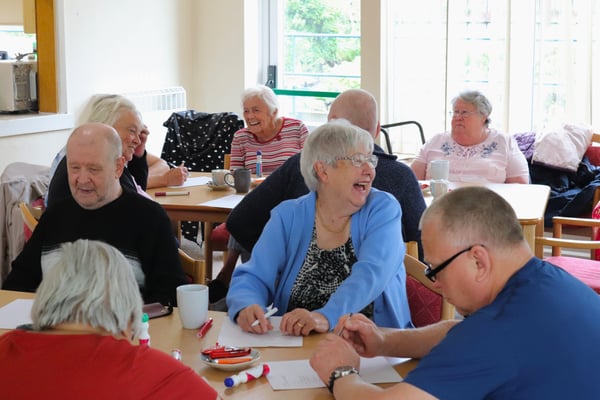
298,322
359,337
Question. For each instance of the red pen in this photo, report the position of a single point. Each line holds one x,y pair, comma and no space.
160,194
204,328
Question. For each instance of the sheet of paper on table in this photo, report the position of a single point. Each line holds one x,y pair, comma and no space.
225,202
232,335
298,374
194,181
15,313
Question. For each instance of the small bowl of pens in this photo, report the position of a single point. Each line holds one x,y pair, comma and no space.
229,358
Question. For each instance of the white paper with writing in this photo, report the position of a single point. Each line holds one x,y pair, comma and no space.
15,313
298,374
224,202
232,335
194,181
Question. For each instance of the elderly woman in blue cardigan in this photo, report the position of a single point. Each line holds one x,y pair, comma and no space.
334,251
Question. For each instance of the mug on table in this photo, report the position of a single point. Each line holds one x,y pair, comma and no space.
242,177
192,305
218,177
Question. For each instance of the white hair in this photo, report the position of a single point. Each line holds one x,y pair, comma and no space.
93,284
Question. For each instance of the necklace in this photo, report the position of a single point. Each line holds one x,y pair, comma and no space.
327,227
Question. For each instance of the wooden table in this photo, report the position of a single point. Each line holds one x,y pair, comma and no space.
190,208
529,202
167,334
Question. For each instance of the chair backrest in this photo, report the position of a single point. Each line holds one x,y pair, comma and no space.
412,248
426,303
386,135
581,266
227,160
200,139
195,269
557,242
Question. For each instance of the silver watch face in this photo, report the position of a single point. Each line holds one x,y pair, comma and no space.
343,371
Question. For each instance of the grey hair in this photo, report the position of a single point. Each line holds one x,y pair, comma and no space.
357,106
92,283
264,93
106,108
475,97
327,143
475,215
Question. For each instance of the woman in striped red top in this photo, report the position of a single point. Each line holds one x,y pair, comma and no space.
278,138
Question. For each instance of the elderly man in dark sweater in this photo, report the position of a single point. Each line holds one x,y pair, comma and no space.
100,209
248,218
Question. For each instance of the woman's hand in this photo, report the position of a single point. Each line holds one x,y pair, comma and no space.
301,322
249,315
176,176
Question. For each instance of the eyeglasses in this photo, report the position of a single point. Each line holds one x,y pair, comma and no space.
430,273
462,114
358,159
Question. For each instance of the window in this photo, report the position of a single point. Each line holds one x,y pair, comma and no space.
14,41
535,60
315,47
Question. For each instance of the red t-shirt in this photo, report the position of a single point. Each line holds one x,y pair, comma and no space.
36,365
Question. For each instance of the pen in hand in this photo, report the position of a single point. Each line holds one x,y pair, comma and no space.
342,330
270,311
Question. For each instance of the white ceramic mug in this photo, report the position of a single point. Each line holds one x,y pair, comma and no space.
218,177
439,169
192,305
438,187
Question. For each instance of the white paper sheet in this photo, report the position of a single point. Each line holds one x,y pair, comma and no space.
194,181
232,335
298,374
15,313
225,202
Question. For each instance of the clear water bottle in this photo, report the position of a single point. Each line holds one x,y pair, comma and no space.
259,164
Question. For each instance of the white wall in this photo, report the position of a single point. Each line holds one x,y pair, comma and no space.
112,46
208,47
218,56
11,12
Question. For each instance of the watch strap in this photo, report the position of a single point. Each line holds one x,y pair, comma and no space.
340,372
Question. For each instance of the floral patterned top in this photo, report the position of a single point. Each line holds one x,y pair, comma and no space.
492,161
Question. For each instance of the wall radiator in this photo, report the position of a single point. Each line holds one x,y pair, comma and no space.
166,99
156,107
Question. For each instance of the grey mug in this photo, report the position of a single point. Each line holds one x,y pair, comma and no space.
242,178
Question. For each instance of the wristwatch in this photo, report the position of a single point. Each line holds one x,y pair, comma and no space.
338,373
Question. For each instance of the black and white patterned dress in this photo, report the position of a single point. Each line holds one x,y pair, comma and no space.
322,272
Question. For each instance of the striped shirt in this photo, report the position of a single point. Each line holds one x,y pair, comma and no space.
288,141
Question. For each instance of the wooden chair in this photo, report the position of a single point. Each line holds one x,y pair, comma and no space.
593,154
195,269
219,237
585,269
426,303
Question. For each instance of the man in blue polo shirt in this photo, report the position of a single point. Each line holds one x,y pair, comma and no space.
532,330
